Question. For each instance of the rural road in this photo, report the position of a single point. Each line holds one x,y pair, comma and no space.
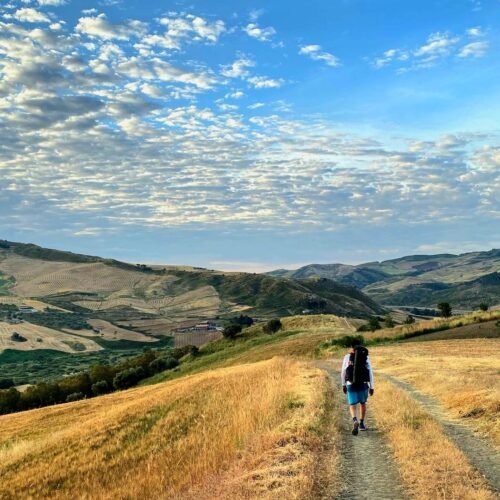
478,451
368,469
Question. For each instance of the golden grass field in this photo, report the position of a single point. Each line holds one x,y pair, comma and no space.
229,433
36,278
35,304
431,466
108,331
462,374
50,339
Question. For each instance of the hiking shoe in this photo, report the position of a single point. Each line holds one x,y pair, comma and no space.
355,429
362,426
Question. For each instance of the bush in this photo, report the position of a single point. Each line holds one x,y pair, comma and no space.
9,401
409,320
6,383
242,320
484,306
100,387
231,331
162,364
388,321
273,326
128,378
445,309
16,337
75,396
180,352
374,323
364,328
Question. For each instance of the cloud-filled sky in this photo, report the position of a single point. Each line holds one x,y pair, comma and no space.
240,135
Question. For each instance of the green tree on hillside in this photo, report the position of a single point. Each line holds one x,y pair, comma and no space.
409,320
374,323
231,331
445,309
273,326
484,306
389,322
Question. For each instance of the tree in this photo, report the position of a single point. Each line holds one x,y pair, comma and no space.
162,364
231,331
445,309
9,401
128,378
242,320
100,387
6,383
484,306
180,352
374,323
389,322
409,320
75,396
273,326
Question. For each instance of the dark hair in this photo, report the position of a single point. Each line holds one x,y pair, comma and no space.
355,343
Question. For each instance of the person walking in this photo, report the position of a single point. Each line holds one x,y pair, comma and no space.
357,382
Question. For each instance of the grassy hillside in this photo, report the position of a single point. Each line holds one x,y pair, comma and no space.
419,279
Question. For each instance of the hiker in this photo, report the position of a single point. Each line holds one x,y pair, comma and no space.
357,382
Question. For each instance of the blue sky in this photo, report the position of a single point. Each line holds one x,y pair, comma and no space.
240,135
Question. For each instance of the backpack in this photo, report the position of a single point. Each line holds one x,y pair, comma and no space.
357,371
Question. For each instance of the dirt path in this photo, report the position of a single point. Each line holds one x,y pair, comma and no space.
368,469
478,451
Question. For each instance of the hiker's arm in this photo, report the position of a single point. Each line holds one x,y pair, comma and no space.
370,371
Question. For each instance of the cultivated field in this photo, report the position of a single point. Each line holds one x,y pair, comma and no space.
40,337
231,433
202,302
35,304
37,278
108,331
462,374
194,338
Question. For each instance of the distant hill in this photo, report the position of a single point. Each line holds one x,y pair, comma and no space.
422,280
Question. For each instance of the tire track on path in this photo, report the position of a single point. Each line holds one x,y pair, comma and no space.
368,468
477,450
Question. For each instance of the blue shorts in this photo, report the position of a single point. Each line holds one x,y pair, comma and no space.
358,394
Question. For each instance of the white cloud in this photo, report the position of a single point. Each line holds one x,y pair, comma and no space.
263,82
29,15
261,34
238,69
100,27
315,53
474,49
475,32
52,3
438,44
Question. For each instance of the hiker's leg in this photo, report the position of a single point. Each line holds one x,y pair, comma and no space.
362,410
352,409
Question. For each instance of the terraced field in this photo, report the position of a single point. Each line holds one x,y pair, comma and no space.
40,337
108,331
38,278
35,304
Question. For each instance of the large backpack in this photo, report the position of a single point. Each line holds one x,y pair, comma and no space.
357,371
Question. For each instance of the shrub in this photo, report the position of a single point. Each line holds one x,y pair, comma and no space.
273,326
180,352
100,387
16,337
9,401
162,364
242,320
364,328
484,306
128,378
75,396
445,309
409,320
231,331
388,321
374,323
6,383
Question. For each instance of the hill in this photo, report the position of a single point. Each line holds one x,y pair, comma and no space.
418,280
96,308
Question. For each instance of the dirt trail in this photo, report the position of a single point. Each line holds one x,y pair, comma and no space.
478,451
368,469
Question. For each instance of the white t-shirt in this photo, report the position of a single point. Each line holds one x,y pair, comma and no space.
345,364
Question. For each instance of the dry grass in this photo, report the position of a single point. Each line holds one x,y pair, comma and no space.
320,322
49,339
237,432
431,466
35,304
462,374
108,331
35,278
456,321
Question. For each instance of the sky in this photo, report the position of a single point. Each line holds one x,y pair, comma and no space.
250,136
